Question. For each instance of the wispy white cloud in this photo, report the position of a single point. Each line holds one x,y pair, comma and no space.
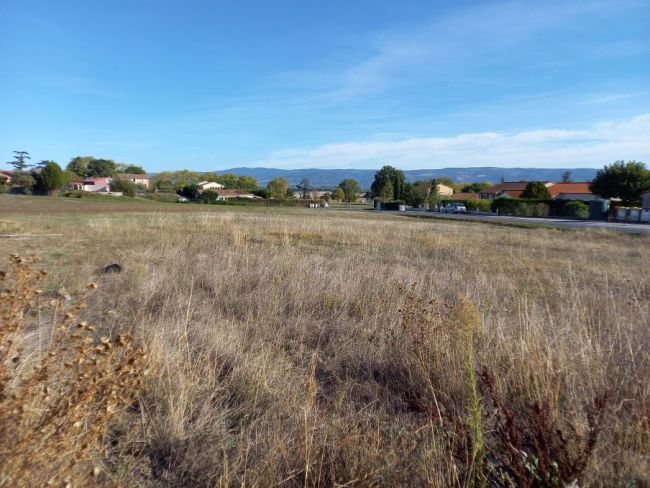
589,147
461,40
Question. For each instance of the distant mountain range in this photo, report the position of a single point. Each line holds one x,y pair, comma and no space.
329,178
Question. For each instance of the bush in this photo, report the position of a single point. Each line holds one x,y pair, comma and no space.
521,207
209,196
575,209
128,188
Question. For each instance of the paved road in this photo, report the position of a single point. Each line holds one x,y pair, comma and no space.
563,223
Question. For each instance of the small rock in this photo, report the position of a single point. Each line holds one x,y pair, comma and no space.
111,268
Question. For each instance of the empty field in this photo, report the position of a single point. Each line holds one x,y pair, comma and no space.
331,348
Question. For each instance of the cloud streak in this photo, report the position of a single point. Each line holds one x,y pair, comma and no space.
589,147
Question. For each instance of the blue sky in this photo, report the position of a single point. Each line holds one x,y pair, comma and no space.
210,85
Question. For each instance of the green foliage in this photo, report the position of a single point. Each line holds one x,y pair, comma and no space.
536,190
79,165
128,188
51,178
520,207
277,188
246,182
20,160
134,170
385,176
475,187
626,181
22,181
164,186
566,177
100,168
472,204
209,196
419,193
575,209
350,190
178,179
337,195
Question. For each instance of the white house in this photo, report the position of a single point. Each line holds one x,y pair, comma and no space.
138,179
97,185
210,185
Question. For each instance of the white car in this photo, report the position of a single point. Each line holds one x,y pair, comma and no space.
455,208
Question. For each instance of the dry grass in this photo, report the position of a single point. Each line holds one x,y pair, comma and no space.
338,349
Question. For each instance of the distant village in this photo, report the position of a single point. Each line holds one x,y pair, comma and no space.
620,191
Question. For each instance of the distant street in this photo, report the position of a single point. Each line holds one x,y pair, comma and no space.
552,222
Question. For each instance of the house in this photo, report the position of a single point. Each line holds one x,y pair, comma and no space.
645,198
5,176
98,185
209,185
572,191
231,193
507,189
465,196
138,179
444,190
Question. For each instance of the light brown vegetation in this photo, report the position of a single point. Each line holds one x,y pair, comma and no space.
339,349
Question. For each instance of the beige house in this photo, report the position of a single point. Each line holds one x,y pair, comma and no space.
444,190
210,185
138,179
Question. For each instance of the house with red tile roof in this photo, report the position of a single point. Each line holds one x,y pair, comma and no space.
572,191
507,189
464,196
233,193
97,184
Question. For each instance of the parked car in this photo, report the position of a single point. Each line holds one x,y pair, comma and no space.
455,208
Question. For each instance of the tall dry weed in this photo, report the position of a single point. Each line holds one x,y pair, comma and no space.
56,405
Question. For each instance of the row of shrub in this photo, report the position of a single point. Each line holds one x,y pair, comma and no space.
250,202
474,205
539,208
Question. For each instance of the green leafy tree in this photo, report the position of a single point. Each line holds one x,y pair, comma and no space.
417,193
350,190
229,180
536,190
277,188
209,196
566,177
50,178
626,181
164,186
387,192
383,177
23,181
100,168
337,195
20,161
475,187
134,170
126,187
246,182
79,165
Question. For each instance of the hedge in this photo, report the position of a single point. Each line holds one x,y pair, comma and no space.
540,208
257,202
472,204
